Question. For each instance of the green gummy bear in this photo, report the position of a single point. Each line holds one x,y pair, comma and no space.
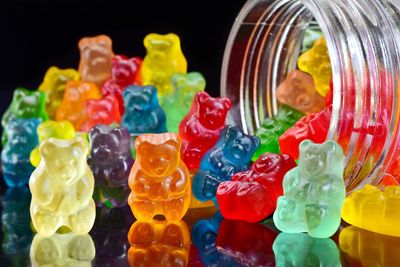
298,250
312,34
178,104
314,191
272,128
25,104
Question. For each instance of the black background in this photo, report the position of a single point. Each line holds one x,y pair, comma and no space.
36,34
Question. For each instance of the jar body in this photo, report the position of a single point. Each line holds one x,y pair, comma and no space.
363,40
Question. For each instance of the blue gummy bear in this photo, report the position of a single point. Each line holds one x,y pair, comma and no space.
143,113
230,155
22,139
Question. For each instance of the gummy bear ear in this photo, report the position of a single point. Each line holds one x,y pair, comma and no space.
305,144
177,80
46,147
93,132
19,93
202,97
332,146
231,131
80,147
256,141
227,103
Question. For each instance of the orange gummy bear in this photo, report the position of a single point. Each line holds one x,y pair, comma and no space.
159,179
73,103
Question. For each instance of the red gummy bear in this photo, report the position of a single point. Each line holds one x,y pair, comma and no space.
252,195
201,127
314,126
124,71
101,111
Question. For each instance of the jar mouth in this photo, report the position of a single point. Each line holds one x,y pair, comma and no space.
364,47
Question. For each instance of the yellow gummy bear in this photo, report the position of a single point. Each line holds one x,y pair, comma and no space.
62,188
376,211
62,250
316,62
53,86
56,129
164,58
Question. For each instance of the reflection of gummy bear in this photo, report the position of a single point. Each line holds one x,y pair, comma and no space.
62,187
313,192
111,162
272,128
25,105
314,127
231,154
316,62
159,243
201,127
62,250
17,233
300,250
159,179
298,92
251,195
142,111
177,104
72,107
247,243
101,111
96,59
56,129
371,209
164,58
23,138
53,86
369,249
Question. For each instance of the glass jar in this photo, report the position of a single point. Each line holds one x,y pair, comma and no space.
363,40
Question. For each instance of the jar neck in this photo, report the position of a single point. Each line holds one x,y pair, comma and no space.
363,41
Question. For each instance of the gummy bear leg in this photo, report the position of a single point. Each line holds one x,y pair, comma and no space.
321,221
141,233
45,250
83,220
143,210
82,248
173,209
45,222
289,216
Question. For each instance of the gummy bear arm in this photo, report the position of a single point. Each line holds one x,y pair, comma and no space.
85,187
41,188
180,180
290,181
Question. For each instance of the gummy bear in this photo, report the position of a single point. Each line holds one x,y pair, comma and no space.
96,59
316,62
314,191
164,58
251,195
56,129
231,154
143,114
298,92
15,220
25,105
314,127
365,248
111,162
159,243
250,245
371,209
101,111
201,127
23,138
62,188
72,108
177,104
159,179
272,128
62,250
300,250
53,86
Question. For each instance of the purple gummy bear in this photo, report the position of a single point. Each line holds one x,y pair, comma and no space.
111,162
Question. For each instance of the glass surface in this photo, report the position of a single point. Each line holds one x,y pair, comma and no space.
213,242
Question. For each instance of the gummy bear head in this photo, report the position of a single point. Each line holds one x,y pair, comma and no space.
55,79
158,154
103,110
78,91
270,163
97,52
187,85
21,133
237,146
319,159
124,71
55,129
161,47
28,104
65,160
212,111
107,144
139,99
